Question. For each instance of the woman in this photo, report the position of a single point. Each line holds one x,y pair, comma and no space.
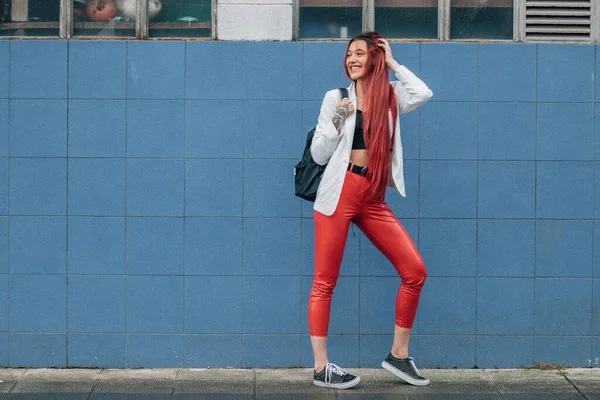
363,153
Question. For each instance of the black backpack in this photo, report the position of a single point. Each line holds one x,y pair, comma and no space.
307,173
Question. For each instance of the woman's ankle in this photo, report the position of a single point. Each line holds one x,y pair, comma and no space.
319,367
399,353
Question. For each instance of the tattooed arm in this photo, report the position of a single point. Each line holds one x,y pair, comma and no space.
343,109
334,111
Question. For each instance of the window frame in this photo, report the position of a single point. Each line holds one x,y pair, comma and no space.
66,23
444,7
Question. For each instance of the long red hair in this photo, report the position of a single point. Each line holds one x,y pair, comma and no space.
379,100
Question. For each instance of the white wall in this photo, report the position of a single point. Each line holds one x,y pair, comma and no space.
254,20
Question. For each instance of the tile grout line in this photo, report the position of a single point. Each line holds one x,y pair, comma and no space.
68,101
8,217
126,218
536,163
183,267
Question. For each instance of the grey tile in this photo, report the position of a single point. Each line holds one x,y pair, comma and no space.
532,384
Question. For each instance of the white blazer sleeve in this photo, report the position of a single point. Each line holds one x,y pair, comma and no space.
326,137
410,90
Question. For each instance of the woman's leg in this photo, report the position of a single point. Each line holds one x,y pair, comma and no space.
387,234
330,240
331,233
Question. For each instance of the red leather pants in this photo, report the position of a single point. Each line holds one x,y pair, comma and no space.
379,224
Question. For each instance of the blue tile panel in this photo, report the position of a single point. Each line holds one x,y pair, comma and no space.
42,136
47,235
168,171
39,310
215,128
563,306
167,351
450,70
271,246
567,350
37,351
96,304
97,186
565,73
273,129
449,131
564,248
507,72
506,189
564,189
4,122
213,246
505,351
449,246
448,189
4,302
162,312
155,128
97,128
155,70
3,245
155,246
448,306
565,131
97,69
4,186
38,186
505,306
445,351
96,350
155,187
215,70
506,248
271,351
96,245
224,293
4,68
260,293
269,189
38,69
213,188
507,131
218,351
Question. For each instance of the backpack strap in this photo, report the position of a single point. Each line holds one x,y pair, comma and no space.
344,92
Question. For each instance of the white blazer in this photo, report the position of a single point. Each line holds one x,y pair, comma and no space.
333,148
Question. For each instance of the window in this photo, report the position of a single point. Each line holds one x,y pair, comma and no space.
107,18
29,18
330,18
418,19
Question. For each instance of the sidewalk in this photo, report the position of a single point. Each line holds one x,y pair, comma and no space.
292,384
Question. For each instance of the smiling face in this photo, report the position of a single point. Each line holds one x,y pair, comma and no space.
356,59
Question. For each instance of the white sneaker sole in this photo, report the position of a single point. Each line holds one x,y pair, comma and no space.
345,385
403,376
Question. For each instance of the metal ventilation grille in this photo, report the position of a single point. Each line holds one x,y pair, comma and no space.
558,20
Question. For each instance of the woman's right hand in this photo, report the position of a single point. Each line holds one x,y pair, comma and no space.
343,110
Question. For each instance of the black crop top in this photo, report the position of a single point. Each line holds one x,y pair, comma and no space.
359,136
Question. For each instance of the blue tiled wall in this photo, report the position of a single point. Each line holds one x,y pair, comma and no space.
147,215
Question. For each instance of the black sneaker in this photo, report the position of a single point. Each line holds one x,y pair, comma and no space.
405,369
333,376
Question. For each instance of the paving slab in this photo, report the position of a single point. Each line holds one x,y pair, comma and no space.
524,384
9,378
379,384
142,384
50,384
292,384
458,384
215,384
587,380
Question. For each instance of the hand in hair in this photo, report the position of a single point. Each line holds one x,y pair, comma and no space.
343,109
389,58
